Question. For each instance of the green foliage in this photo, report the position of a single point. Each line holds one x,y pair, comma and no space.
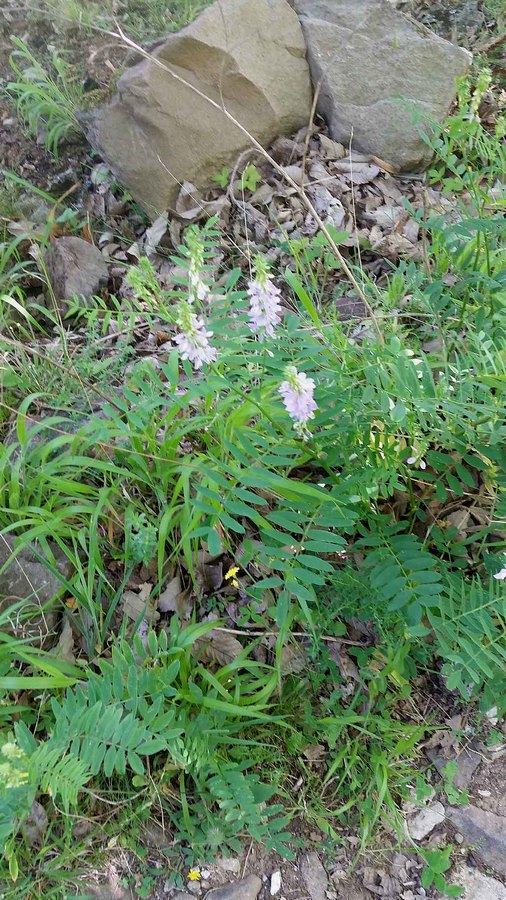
470,628
402,572
437,862
222,178
250,178
139,472
46,98
142,20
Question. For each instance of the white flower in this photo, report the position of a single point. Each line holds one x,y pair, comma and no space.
264,301
197,289
193,339
416,461
501,575
297,392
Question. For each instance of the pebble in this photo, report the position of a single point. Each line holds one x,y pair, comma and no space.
421,824
275,883
247,889
229,864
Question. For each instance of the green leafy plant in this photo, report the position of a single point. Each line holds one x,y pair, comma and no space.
454,795
437,863
250,178
222,178
298,492
46,97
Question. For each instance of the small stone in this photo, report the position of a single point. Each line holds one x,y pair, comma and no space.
205,874
26,579
458,837
421,824
314,875
75,268
247,889
275,883
194,887
467,762
229,864
478,886
484,831
492,716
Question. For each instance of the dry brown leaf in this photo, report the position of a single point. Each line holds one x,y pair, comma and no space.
65,646
333,149
460,520
345,664
388,217
218,647
315,753
263,195
168,599
383,164
296,173
395,246
293,659
136,605
154,234
357,172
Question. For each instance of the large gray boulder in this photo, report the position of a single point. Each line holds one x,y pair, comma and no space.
156,132
376,68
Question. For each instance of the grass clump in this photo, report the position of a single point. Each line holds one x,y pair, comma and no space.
264,552
46,98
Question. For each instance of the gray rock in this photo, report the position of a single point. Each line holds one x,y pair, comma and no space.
24,578
229,864
467,762
484,831
275,883
368,57
157,133
247,889
425,820
478,886
35,825
75,267
314,875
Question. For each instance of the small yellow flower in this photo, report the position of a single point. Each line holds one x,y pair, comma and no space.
230,576
194,874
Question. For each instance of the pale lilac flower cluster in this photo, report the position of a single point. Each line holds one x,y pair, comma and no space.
193,337
297,392
501,575
264,301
